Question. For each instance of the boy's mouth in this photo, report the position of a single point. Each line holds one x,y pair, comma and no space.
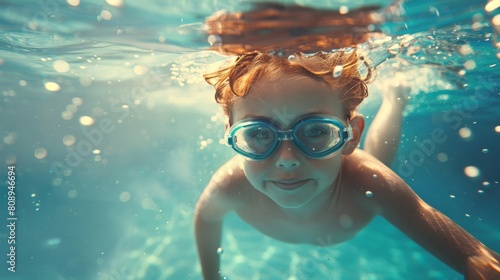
290,185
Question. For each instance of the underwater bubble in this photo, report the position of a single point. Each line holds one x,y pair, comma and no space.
485,151
124,196
148,204
368,194
69,140
480,191
452,196
491,6
51,86
10,138
22,83
470,64
66,115
40,153
72,193
33,195
496,20
115,3
375,176
394,49
140,70
61,66
52,243
214,40
56,182
486,183
467,215
343,10
77,101
443,97
465,132
497,129
465,49
86,120
471,171
337,71
220,251
105,15
291,57
442,157
73,3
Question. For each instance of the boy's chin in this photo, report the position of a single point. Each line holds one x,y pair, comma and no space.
291,204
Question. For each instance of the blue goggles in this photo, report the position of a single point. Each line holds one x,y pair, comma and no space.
317,136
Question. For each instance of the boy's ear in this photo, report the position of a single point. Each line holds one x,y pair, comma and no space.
358,125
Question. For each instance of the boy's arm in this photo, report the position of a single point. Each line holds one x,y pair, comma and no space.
214,203
434,231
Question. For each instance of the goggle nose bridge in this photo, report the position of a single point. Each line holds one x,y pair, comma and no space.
285,135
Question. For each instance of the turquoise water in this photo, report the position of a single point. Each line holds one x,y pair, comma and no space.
114,134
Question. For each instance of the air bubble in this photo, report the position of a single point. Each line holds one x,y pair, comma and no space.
337,71
51,86
471,171
220,251
369,194
485,151
86,120
115,3
465,132
214,40
291,58
394,49
40,153
61,66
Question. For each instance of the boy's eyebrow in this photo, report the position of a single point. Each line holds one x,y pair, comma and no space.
279,118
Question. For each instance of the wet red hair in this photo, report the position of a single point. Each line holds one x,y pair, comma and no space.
338,70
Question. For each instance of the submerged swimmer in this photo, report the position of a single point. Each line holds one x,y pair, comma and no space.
299,175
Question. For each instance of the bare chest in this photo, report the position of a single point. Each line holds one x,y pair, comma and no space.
327,229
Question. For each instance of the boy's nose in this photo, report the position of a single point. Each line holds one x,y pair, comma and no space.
287,156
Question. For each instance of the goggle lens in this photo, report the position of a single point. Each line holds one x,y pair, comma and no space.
317,137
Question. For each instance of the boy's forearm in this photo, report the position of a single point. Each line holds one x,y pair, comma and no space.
485,265
208,239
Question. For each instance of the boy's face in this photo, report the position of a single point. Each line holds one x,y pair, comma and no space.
288,176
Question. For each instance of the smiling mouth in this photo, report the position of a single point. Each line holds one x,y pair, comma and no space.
290,186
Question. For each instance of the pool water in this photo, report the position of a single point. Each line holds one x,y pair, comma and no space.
114,134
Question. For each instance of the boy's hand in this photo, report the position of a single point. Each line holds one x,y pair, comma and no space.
486,266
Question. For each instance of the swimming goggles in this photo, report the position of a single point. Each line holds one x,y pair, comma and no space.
317,136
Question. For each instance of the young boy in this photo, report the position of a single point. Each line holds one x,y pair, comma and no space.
299,174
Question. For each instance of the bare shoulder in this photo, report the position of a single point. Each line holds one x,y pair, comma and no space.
224,191
375,185
230,178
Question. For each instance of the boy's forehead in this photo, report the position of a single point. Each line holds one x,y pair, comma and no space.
287,83
286,99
